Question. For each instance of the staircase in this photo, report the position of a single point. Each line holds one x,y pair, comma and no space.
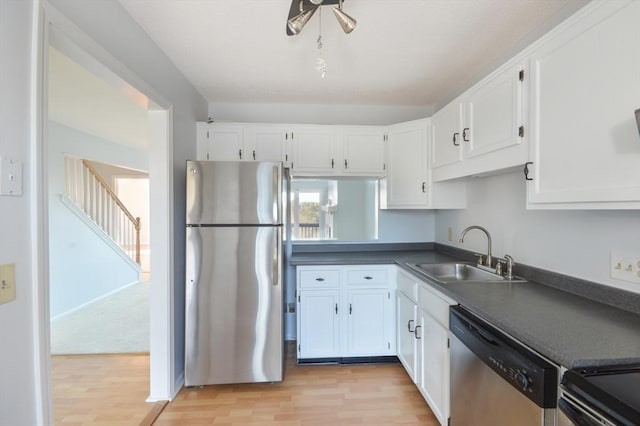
87,190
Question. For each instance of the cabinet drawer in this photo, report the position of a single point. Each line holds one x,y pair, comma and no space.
407,285
435,305
319,278
367,276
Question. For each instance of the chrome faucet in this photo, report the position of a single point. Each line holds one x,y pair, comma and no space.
510,264
489,260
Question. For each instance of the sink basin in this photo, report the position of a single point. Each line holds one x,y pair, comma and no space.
456,272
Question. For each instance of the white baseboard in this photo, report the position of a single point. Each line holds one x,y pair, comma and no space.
72,310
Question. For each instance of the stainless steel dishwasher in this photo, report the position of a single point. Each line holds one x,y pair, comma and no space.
496,381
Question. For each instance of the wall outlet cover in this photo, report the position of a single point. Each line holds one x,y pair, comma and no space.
625,266
7,283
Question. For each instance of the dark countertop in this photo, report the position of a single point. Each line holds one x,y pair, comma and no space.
568,329
368,257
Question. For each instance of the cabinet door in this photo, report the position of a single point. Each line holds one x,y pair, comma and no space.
318,324
406,182
447,136
266,143
202,141
494,116
585,147
226,143
433,381
368,314
363,151
406,313
313,150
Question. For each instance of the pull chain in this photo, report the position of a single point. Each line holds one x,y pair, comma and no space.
321,65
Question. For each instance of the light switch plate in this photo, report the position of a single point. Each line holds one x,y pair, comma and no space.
7,283
10,177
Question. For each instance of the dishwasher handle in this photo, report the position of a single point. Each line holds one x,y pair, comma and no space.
483,335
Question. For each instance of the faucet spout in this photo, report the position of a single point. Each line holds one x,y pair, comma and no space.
489,258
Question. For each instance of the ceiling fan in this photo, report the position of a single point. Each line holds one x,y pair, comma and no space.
302,10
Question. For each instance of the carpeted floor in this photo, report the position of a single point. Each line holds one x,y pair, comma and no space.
118,323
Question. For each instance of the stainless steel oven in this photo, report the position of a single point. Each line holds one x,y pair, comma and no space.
496,381
598,396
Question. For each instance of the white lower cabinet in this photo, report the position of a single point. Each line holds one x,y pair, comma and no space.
423,340
407,314
319,323
345,311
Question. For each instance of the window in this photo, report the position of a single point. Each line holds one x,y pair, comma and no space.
323,209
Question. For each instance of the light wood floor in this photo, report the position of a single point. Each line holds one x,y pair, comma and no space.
101,390
110,390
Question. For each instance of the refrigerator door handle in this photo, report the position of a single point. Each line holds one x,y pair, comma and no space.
277,257
277,190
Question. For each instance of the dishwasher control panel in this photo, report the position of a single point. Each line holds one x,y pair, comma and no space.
523,369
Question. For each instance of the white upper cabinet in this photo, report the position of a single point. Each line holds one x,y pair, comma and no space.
447,128
484,129
221,142
585,149
314,151
408,183
363,150
266,143
494,129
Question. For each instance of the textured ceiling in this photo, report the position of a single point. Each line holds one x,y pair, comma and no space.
403,52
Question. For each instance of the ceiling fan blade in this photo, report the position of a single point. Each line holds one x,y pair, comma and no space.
294,10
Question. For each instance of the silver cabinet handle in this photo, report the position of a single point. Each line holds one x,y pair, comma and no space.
368,277
350,309
464,134
319,279
240,153
415,332
336,309
455,139
409,326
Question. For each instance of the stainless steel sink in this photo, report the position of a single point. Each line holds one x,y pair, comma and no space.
456,272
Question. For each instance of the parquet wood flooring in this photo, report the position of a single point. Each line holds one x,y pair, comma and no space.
329,395
101,390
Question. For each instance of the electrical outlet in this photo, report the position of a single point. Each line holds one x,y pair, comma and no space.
7,283
625,266
450,234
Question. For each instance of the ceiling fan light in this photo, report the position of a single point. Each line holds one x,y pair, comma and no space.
346,22
297,23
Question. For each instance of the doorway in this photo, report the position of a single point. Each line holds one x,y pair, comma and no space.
81,48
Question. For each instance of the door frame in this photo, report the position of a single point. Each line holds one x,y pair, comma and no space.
49,24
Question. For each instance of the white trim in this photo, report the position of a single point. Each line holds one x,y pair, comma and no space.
39,217
162,356
47,21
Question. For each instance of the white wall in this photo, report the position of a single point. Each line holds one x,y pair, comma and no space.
379,115
83,267
406,226
17,358
570,242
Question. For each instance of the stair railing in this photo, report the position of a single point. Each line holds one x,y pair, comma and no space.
88,190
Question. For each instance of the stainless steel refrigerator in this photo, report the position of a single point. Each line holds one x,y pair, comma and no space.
234,289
